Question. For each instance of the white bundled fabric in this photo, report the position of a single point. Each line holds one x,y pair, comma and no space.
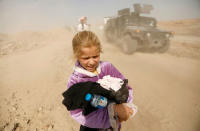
109,82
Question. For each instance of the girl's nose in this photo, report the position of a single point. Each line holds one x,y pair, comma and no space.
91,62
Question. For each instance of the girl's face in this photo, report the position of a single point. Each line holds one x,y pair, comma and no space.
89,58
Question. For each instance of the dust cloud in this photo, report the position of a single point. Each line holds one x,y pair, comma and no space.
35,66
36,60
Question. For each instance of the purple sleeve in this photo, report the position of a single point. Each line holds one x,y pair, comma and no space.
115,73
91,119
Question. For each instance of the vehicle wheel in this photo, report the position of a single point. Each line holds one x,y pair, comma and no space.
129,45
164,48
109,35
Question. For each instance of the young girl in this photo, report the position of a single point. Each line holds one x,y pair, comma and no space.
88,67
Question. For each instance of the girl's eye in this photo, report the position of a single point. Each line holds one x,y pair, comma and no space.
86,58
95,56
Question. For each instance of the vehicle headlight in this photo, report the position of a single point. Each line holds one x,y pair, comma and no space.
151,23
137,30
167,35
148,34
172,33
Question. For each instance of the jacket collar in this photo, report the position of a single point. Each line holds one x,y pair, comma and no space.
78,68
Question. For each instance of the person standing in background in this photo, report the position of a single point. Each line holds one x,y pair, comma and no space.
83,24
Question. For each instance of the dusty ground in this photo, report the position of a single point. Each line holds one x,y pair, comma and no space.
35,66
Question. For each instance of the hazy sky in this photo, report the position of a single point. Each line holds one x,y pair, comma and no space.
19,15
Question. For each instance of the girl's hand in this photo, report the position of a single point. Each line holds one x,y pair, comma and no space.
123,111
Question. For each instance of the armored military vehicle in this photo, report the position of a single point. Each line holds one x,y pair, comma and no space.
133,32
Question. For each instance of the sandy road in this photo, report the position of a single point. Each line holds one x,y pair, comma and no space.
31,87
166,88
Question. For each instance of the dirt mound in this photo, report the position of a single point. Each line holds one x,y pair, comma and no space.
182,27
186,41
27,41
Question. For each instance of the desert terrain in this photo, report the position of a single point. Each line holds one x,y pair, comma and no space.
35,66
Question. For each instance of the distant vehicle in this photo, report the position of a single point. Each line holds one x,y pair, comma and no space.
133,32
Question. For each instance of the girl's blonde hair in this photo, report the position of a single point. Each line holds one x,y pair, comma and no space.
85,39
